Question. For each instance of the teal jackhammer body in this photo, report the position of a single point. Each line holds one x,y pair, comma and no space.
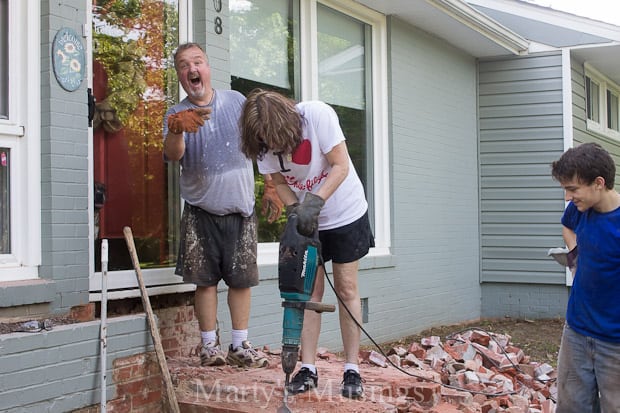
299,259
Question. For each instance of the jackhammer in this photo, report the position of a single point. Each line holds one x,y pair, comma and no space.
299,259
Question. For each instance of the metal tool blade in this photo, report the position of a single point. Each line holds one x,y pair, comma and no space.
284,408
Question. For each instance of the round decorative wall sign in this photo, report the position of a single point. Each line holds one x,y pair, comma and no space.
68,59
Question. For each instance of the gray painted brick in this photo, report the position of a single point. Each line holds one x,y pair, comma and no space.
67,359
26,293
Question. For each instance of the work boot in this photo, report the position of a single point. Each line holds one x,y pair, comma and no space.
245,356
211,354
352,385
303,381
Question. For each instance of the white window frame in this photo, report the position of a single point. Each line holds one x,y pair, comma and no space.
123,283
21,132
268,252
380,148
604,84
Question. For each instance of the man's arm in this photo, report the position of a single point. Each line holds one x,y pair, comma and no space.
189,120
174,146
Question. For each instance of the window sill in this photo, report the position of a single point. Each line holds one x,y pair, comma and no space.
26,292
376,258
123,284
594,127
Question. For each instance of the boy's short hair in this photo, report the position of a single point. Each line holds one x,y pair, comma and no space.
585,163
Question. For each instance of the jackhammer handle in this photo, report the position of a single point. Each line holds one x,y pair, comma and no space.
320,307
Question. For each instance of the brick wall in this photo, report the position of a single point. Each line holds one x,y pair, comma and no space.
178,329
139,386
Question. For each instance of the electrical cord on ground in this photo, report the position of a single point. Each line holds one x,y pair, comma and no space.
449,386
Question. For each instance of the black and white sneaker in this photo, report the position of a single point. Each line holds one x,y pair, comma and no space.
303,381
352,385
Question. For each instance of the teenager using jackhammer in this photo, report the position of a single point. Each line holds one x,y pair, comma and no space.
303,148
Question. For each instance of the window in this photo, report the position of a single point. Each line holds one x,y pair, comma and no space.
4,59
612,110
5,201
20,168
592,93
327,50
602,109
344,77
133,186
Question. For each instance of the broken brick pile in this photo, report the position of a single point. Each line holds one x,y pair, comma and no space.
472,372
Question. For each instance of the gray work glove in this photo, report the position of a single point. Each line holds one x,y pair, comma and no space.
291,209
308,214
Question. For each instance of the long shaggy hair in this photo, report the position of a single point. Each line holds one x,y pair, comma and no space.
269,122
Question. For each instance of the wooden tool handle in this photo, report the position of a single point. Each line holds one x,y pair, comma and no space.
146,303
320,307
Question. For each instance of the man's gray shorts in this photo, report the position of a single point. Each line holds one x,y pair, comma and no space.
214,248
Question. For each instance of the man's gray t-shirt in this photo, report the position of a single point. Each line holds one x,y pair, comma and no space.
215,175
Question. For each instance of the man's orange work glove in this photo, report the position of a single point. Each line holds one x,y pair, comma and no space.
271,204
188,120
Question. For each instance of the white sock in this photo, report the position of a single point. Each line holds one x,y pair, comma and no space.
238,337
208,336
310,367
351,366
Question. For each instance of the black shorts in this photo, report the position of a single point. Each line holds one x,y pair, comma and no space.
215,248
348,243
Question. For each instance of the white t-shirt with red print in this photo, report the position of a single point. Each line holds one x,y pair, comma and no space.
307,168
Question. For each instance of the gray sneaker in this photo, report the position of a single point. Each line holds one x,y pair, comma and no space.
245,356
211,354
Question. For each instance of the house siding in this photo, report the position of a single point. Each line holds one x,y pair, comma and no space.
581,134
64,168
434,182
521,133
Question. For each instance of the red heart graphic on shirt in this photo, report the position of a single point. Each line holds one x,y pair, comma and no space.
303,153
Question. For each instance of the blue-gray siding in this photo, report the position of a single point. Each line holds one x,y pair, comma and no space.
521,133
434,181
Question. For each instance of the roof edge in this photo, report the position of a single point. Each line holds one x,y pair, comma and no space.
481,23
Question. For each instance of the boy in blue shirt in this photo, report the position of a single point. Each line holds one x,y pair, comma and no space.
589,359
